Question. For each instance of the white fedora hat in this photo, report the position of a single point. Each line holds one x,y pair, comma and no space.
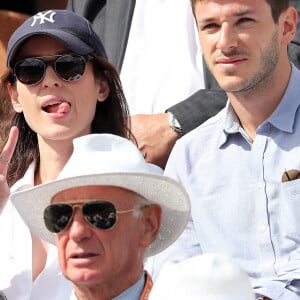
208,276
105,159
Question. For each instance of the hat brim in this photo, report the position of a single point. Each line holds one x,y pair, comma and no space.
72,42
157,189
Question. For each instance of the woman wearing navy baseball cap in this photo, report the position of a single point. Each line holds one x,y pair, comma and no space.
58,86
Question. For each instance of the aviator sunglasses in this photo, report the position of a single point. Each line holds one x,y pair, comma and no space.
68,67
99,213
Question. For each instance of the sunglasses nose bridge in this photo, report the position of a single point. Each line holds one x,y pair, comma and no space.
49,63
76,207
77,220
52,65
45,64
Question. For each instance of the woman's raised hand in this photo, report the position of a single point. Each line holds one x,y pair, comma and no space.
5,158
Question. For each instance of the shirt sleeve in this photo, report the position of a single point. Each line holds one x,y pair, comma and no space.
277,289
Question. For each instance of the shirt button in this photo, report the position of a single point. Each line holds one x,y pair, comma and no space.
260,185
263,228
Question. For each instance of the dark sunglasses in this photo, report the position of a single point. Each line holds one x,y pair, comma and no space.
69,67
100,213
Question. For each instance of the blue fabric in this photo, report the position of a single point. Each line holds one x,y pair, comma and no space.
133,293
240,207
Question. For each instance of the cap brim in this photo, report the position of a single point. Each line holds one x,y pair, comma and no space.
72,42
157,189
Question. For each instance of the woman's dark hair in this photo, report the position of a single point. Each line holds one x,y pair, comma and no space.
111,116
277,7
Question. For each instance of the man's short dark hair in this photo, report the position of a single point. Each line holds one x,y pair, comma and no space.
277,7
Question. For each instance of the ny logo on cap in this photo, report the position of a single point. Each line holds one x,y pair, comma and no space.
47,16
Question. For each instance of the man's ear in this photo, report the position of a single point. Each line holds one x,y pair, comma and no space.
289,19
104,91
14,96
152,219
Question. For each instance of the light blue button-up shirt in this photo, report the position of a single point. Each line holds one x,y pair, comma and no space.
240,206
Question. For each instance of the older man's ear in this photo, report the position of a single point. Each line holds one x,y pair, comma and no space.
151,223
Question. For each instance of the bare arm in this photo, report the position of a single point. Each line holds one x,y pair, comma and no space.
154,136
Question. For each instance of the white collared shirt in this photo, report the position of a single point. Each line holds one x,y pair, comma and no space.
16,257
160,66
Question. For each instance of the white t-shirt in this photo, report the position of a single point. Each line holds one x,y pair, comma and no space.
162,64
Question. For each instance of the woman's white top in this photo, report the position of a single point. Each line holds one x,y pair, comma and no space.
16,257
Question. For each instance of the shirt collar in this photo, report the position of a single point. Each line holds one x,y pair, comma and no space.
133,293
282,118
230,124
27,181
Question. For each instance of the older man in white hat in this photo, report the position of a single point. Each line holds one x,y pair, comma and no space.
107,211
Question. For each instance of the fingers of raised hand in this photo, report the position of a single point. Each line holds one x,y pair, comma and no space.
4,159
9,148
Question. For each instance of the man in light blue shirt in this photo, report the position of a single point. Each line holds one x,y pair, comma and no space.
237,167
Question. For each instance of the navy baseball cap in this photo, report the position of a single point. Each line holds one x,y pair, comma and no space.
73,30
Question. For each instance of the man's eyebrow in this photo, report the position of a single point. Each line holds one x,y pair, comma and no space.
206,20
240,13
243,12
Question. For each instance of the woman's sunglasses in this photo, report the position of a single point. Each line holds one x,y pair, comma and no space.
69,67
101,214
